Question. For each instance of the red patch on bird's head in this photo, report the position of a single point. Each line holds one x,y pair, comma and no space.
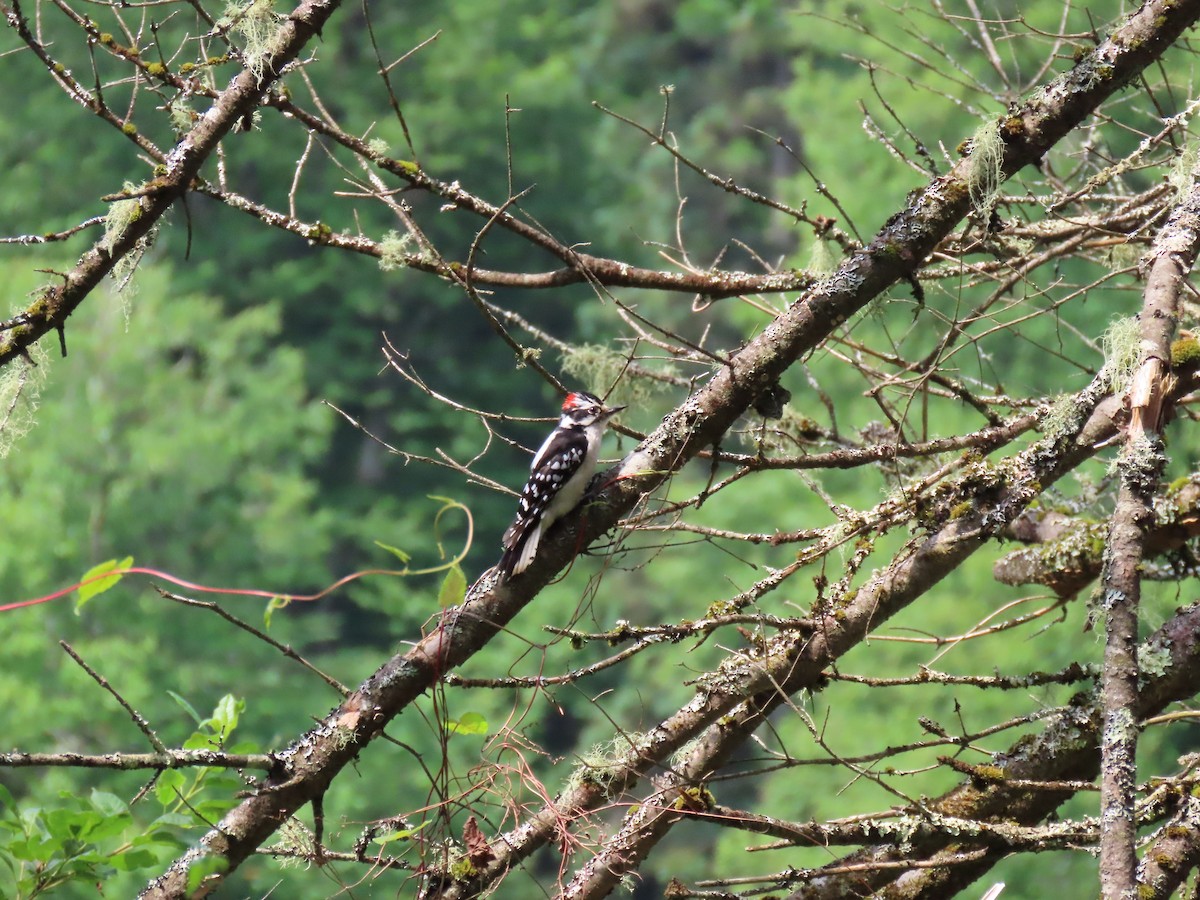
576,399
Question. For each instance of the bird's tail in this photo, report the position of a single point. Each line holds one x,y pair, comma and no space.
520,545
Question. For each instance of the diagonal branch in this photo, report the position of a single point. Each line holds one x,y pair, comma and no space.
1173,853
1067,748
839,628
54,305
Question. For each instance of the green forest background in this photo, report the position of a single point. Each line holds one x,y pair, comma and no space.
187,426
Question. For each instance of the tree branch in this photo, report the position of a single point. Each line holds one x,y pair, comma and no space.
1174,851
165,759
1067,748
181,167
1141,465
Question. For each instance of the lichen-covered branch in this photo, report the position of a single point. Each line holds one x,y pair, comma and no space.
1141,465
1174,852
181,166
583,269
167,759
1067,748
1066,552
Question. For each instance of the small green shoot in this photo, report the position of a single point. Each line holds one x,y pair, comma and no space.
395,551
279,602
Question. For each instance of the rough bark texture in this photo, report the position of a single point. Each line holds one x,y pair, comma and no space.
1066,552
1173,854
1066,750
1141,465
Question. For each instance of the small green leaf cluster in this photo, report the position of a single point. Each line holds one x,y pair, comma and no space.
80,839
202,795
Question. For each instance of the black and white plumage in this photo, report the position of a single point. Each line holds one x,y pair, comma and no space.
560,473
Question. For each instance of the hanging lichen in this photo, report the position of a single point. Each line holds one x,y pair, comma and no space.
20,386
393,251
983,176
1183,173
257,23
1122,349
121,215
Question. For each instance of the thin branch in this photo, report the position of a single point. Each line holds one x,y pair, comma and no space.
285,649
160,761
142,724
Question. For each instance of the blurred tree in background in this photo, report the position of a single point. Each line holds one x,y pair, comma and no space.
894,576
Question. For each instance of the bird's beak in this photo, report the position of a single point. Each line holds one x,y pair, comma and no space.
611,411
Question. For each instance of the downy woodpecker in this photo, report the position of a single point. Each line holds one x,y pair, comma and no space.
558,477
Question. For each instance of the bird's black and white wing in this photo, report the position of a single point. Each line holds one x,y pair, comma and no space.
547,495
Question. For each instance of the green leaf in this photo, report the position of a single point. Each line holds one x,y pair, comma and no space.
92,588
155,834
60,826
225,717
175,842
169,788
131,860
28,849
108,804
454,588
395,551
108,827
187,707
202,740
468,723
